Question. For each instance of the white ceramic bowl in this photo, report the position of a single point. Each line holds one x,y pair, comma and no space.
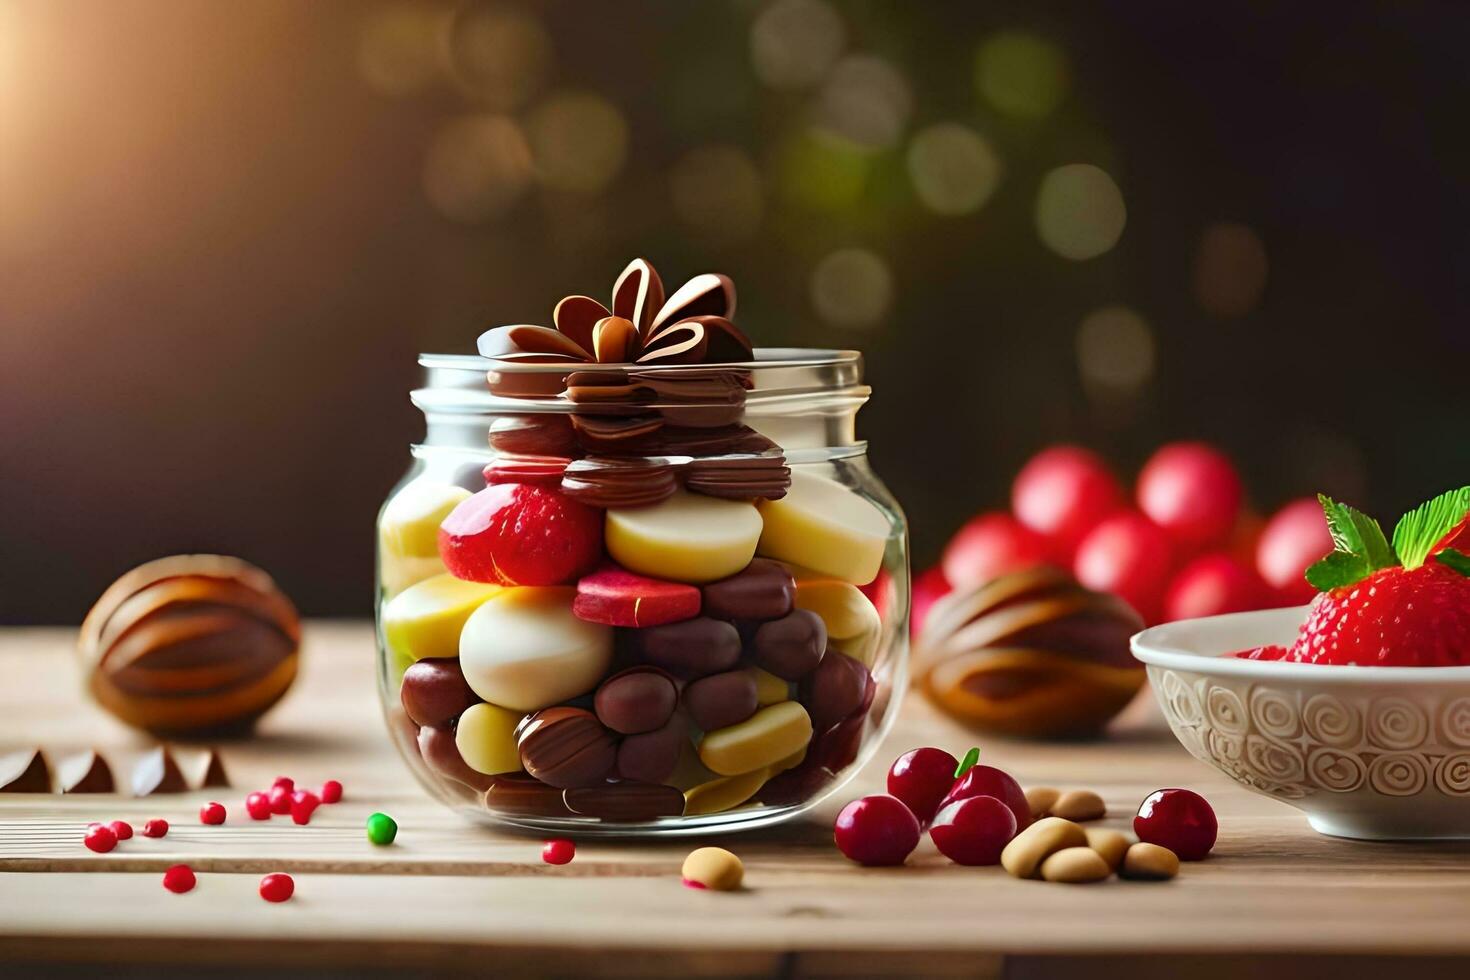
1378,753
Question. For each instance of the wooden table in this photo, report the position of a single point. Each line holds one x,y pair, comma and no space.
456,897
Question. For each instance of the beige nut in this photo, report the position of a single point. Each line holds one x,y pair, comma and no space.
1108,843
1040,799
714,868
1075,866
1149,862
1024,854
1079,805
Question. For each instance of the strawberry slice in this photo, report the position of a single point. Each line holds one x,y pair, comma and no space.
615,596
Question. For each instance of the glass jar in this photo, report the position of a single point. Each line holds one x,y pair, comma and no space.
593,703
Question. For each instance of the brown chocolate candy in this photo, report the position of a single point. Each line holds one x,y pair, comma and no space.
625,802
441,754
434,691
739,477
834,690
725,441
86,772
617,434
721,700
693,648
519,794
533,435
212,773
608,482
516,468
566,747
790,647
637,700
837,747
762,590
158,772
25,771
652,756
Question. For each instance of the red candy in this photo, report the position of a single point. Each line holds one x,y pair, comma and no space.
1192,491
876,830
1292,541
520,534
921,778
1062,493
277,887
331,791
1129,556
989,546
212,813
1212,585
100,838
155,828
122,829
616,597
1178,819
990,781
560,851
303,804
280,797
179,879
258,805
973,831
285,782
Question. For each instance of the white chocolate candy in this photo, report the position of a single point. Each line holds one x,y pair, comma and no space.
824,526
425,619
524,650
408,533
686,538
852,622
486,738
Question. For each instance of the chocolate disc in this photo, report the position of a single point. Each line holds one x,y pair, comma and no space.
610,482
617,434
762,590
720,700
533,435
625,802
792,646
566,747
739,477
693,648
515,468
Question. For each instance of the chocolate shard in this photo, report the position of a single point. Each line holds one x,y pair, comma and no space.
25,771
158,772
86,772
214,774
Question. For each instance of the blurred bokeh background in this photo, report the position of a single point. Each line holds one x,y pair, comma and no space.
226,229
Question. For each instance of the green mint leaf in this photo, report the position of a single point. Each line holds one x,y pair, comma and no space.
971,757
1355,533
1418,531
1338,569
1456,559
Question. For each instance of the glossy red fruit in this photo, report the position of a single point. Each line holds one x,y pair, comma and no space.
990,781
212,813
1062,493
973,831
1396,617
331,791
617,597
990,546
303,805
1192,491
179,878
921,778
258,805
277,887
1211,585
560,851
155,828
280,797
876,830
1178,819
1129,556
929,588
285,782
1293,540
520,534
100,838
122,829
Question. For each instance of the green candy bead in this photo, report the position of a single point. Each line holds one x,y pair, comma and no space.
381,829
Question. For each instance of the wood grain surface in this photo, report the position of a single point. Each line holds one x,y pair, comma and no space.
449,888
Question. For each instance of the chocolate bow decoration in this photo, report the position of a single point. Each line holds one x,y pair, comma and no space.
690,327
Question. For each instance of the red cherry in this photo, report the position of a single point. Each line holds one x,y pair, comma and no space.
1062,493
1192,491
155,828
100,838
179,878
1294,539
921,778
212,813
303,805
929,588
331,791
876,830
973,831
990,781
122,829
258,805
1211,585
990,546
277,887
520,534
1178,819
1128,555
280,798
560,851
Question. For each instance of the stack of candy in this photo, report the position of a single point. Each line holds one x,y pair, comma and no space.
644,613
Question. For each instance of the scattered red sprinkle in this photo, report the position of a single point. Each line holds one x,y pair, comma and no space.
559,851
155,828
212,813
303,804
258,805
277,887
280,798
331,791
122,829
691,883
286,781
100,838
179,879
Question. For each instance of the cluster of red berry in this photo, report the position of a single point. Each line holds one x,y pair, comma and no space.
1186,546
282,798
103,837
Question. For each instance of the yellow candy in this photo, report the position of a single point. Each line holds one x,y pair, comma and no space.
689,772
409,525
425,620
398,573
763,739
714,868
853,626
824,526
769,689
486,737
725,793
686,538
